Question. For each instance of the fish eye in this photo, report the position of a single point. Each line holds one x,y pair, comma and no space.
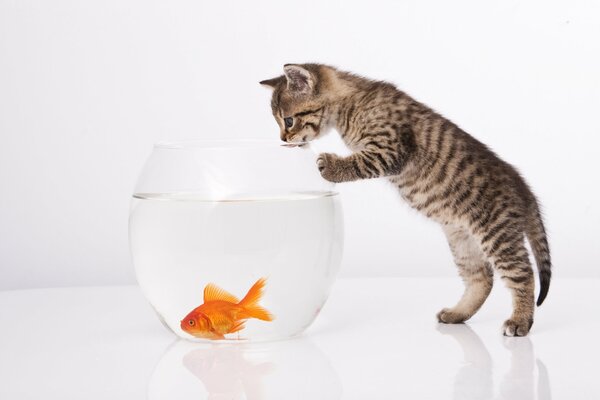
289,121
191,322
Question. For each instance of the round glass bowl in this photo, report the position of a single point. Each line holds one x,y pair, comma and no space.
235,240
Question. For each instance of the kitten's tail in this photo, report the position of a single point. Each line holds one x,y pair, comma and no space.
536,234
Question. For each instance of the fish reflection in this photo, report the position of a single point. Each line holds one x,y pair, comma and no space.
294,369
227,374
474,380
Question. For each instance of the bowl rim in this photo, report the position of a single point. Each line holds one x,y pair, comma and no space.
214,143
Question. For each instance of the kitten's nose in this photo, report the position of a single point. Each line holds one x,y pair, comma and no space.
283,137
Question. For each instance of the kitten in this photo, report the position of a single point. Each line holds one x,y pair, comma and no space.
482,203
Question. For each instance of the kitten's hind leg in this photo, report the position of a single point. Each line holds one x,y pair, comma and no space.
475,271
507,252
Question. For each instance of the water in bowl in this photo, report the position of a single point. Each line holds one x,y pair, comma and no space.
180,243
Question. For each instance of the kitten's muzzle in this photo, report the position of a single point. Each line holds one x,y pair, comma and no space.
286,137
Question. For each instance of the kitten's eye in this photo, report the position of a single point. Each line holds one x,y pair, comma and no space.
289,121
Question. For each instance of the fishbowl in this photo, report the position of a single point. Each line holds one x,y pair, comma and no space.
236,240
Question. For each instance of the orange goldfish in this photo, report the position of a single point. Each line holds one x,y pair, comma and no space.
223,313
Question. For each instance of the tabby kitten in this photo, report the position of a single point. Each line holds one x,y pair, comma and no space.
482,203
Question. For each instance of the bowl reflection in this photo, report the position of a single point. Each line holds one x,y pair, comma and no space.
292,369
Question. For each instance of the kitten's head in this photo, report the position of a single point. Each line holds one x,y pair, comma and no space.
297,105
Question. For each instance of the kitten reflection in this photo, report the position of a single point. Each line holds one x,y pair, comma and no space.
518,383
226,373
475,380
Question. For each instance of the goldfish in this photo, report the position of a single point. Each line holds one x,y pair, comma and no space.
222,313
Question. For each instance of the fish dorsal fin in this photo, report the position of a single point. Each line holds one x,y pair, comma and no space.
212,292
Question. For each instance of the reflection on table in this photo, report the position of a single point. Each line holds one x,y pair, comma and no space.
474,379
293,369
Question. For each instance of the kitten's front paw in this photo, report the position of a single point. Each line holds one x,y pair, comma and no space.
449,316
329,168
514,327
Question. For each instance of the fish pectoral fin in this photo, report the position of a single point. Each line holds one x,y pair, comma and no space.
209,335
212,292
238,326
217,336
221,323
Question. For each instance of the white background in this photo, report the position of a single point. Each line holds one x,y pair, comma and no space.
86,87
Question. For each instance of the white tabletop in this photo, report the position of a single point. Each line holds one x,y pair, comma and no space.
375,339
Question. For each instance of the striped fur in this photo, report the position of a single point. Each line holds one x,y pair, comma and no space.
484,206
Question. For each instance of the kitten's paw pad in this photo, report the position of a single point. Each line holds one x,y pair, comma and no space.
448,316
328,167
513,327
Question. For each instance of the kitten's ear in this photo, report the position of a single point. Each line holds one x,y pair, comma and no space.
272,83
299,79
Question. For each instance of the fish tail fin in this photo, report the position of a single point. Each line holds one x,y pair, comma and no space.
250,302
259,312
